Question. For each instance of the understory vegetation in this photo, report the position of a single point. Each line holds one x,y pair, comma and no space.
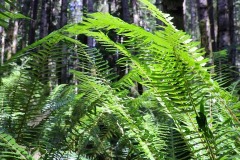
181,113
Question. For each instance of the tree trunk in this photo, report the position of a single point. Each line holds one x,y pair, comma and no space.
55,11
102,6
236,37
44,19
24,23
11,37
204,27
125,14
212,12
224,39
3,35
33,22
90,40
111,6
63,22
190,13
76,10
15,35
135,12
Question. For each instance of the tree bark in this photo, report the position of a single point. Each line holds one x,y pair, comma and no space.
23,26
44,19
111,5
236,38
212,12
125,14
33,22
76,10
15,35
90,40
135,12
224,39
55,15
63,22
204,27
11,37
3,35
190,13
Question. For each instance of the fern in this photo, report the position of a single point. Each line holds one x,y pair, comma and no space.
6,15
182,113
9,148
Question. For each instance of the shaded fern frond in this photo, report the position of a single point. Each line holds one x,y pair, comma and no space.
6,14
10,149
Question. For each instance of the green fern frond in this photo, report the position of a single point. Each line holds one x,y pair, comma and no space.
10,149
184,82
6,14
99,97
182,114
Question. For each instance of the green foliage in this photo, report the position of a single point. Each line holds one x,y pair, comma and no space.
6,14
182,113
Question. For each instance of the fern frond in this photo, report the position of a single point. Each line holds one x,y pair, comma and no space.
178,78
198,118
6,14
10,149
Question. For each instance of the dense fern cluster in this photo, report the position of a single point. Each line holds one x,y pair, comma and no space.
182,113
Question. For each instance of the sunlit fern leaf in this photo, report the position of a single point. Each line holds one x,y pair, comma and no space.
184,82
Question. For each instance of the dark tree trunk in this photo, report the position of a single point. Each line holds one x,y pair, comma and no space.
224,39
33,22
125,14
55,15
44,19
90,40
235,26
24,29
63,21
211,13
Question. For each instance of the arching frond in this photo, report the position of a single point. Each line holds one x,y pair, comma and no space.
182,113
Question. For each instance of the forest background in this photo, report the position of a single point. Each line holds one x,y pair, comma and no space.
49,122
214,23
